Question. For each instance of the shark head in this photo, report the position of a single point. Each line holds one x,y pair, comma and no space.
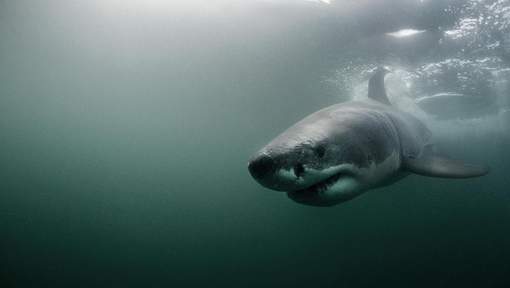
322,160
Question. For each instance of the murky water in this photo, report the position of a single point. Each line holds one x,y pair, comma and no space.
126,127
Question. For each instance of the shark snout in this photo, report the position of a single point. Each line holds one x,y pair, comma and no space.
261,166
270,173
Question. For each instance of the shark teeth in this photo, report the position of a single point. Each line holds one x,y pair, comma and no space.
318,188
323,186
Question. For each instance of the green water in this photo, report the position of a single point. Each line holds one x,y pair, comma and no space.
125,134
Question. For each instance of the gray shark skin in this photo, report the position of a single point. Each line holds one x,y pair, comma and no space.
341,151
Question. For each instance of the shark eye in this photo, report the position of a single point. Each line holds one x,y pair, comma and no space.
320,151
299,169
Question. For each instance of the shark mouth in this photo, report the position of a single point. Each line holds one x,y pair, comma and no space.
312,194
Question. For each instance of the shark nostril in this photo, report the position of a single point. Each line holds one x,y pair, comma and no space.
299,169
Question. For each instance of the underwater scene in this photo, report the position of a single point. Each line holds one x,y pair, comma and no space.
255,143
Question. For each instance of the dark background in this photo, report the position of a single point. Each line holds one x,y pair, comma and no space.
125,132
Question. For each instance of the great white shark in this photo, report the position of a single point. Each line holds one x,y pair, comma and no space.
343,150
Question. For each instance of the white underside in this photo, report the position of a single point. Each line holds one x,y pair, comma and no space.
347,186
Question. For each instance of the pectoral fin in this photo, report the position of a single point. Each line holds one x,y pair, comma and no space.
437,166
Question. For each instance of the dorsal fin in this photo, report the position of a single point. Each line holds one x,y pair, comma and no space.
376,89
